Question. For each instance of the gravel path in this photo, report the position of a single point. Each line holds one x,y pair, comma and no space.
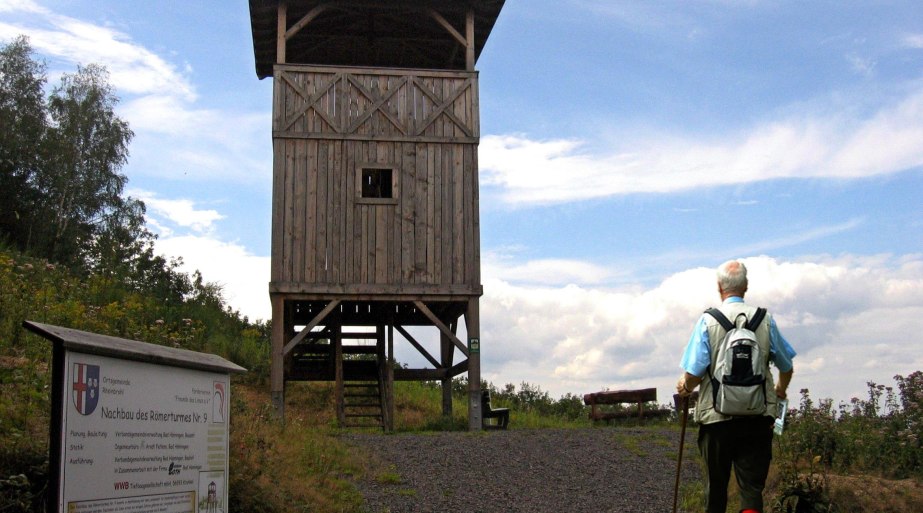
625,470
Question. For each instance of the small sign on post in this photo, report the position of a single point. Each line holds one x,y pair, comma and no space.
474,345
136,427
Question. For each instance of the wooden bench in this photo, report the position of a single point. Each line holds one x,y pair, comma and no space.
638,397
501,414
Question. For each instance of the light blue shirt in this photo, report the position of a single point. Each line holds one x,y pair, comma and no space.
697,356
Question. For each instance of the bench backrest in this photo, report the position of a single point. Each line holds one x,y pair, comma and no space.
621,396
485,400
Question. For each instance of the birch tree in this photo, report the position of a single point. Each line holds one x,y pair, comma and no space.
81,181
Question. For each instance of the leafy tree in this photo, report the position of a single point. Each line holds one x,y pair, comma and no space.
22,135
61,185
122,237
121,253
87,146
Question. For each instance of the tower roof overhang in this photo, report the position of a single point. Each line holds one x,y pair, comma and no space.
371,33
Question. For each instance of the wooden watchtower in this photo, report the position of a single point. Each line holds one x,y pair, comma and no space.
375,229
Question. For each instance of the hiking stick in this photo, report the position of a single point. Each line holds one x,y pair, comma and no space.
682,441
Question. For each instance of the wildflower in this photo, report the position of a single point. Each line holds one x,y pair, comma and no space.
49,267
159,322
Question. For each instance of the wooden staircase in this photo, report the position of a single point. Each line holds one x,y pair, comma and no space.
362,404
361,399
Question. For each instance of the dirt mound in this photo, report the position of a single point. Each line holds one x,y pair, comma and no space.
871,494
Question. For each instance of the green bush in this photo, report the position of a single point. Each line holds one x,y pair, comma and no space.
37,290
24,478
879,435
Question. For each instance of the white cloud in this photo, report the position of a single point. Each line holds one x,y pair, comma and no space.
796,238
527,171
861,65
18,5
852,319
181,212
913,41
548,271
833,310
133,69
244,277
178,140
641,16
174,137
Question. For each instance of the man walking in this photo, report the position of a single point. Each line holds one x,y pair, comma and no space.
744,442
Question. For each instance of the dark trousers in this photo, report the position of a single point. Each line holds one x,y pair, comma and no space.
745,444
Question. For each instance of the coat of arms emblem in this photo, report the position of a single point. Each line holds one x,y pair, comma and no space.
85,388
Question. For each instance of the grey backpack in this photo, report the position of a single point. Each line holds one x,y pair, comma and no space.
738,383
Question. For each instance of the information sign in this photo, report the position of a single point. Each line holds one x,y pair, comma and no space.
142,437
136,428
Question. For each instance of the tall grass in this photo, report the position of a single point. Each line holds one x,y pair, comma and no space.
874,437
38,290
845,458
879,435
300,466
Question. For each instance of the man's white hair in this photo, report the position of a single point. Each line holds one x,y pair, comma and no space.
732,276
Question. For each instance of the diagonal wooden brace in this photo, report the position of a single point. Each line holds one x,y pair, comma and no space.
417,345
307,329
310,101
377,103
442,327
441,105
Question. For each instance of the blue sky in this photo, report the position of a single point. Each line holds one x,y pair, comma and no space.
627,149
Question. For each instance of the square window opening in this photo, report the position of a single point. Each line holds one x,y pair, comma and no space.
376,183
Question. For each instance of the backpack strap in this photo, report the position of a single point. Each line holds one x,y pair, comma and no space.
728,326
752,324
720,317
757,318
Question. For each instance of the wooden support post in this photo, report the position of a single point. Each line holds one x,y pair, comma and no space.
389,381
277,359
381,358
281,28
469,43
473,323
447,352
338,373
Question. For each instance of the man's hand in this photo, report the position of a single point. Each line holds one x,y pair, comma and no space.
780,392
681,388
686,384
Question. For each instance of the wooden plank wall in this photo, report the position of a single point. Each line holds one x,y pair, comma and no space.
328,123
